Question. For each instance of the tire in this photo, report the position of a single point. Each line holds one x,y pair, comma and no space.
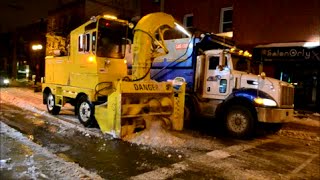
239,122
85,111
51,105
189,114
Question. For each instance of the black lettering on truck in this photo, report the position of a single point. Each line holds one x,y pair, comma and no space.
147,87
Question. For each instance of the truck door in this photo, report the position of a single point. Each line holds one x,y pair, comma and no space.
217,79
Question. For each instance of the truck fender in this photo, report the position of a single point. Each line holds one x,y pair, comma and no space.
238,112
244,97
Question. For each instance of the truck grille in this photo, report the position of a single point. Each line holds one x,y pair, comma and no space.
287,96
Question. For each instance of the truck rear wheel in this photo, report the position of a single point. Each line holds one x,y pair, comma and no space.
85,111
239,122
189,113
51,105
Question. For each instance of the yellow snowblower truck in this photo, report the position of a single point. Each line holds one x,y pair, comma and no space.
93,76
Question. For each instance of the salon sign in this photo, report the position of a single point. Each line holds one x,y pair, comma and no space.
291,53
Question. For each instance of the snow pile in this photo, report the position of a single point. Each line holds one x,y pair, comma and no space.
6,164
155,136
307,119
300,135
316,114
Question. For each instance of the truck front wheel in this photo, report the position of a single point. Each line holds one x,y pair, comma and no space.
85,111
239,122
51,105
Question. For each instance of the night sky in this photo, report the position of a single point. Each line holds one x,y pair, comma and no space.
15,13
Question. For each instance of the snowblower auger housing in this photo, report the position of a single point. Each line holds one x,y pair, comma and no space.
135,103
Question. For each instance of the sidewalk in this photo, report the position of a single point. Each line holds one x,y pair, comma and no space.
26,84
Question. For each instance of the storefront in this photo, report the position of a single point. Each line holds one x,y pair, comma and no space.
297,64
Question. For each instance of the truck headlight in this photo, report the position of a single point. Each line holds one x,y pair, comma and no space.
265,102
6,81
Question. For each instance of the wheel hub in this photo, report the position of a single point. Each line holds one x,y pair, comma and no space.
85,112
50,102
238,122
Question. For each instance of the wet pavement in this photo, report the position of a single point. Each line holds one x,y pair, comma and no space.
23,159
275,158
105,156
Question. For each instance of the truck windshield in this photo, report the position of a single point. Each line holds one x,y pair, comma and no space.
241,63
111,39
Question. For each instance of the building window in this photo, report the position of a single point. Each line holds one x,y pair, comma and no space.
226,19
188,20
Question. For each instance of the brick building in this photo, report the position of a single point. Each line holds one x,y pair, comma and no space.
75,12
276,26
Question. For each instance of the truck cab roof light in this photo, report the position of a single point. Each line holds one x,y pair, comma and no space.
107,16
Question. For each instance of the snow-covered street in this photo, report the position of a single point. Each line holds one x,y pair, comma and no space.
39,145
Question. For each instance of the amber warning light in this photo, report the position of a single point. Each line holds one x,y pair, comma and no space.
91,58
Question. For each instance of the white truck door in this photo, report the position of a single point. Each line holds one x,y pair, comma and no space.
217,78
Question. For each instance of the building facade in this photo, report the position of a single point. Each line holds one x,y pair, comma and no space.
285,38
70,15
269,29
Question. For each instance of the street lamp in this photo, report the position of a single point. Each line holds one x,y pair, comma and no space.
37,62
36,47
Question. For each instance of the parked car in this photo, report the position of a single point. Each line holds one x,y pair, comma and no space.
4,79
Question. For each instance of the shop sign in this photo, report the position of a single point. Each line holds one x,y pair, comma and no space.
290,53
